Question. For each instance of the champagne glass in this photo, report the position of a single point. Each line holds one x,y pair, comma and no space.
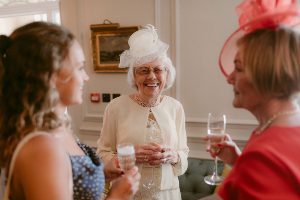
216,131
126,156
158,139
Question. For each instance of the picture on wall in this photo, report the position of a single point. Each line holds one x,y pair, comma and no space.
108,41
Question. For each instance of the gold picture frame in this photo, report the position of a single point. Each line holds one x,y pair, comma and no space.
108,41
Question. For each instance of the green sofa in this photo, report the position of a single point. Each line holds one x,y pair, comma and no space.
191,183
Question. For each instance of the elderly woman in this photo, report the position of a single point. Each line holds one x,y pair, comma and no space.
266,82
154,123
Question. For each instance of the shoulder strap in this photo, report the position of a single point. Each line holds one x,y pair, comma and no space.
70,174
14,157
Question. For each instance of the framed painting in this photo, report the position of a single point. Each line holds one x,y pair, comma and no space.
108,41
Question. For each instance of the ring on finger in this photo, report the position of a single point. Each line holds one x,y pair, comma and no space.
146,159
164,160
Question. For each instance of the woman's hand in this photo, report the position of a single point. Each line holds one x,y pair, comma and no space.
126,186
144,152
165,155
112,170
229,151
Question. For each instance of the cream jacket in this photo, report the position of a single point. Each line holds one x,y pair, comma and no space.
125,122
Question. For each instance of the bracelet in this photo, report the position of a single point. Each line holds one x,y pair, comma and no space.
106,189
112,155
106,192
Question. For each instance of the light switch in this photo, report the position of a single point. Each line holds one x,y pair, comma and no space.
106,97
116,95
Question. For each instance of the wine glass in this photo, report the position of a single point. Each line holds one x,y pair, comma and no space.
157,138
126,156
216,130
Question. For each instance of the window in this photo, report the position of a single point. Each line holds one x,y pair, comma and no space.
15,13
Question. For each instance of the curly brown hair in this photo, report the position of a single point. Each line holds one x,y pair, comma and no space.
35,51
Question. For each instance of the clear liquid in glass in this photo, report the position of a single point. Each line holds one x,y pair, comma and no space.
216,131
216,135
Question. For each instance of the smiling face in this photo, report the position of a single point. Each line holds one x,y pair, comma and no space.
150,79
245,96
72,76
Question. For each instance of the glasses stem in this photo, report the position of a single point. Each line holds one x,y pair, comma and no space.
216,167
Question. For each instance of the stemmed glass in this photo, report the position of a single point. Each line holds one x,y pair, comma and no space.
216,130
156,138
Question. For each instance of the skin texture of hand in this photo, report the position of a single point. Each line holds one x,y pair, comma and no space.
165,155
144,152
229,151
112,170
125,187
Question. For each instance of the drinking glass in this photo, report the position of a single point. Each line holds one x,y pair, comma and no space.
158,139
126,156
216,130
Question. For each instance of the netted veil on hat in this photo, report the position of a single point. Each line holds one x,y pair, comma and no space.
257,14
144,47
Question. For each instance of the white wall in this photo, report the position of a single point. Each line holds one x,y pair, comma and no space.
195,31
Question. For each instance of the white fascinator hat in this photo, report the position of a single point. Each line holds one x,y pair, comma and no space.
146,47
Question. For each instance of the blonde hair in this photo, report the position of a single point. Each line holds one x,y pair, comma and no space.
33,53
272,61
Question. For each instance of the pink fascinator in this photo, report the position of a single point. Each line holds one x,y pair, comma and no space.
257,14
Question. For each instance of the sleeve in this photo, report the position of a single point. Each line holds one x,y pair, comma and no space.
258,175
182,148
107,142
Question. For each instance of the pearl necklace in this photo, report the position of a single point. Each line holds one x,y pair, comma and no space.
141,103
275,116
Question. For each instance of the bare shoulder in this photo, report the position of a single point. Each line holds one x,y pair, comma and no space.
41,162
45,146
42,154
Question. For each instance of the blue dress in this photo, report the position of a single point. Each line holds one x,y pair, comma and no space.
88,176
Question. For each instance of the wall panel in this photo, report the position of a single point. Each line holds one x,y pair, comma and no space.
195,31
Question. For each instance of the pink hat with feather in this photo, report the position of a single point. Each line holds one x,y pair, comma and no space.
257,14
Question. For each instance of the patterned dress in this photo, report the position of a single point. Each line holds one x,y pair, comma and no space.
88,176
151,176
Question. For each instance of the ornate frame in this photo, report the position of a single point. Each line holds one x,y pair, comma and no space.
109,37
